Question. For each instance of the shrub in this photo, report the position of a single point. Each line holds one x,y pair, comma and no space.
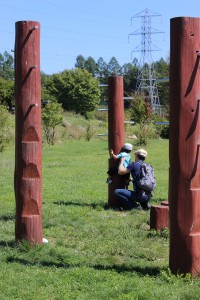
76,89
73,131
52,115
90,131
144,132
161,130
164,131
102,115
5,128
140,110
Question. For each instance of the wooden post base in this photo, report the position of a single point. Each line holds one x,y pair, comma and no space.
159,216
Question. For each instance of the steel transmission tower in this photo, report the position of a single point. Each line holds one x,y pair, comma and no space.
146,81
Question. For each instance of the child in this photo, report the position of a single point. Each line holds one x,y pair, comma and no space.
125,152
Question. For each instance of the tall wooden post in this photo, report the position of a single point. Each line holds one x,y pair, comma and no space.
115,131
184,172
28,141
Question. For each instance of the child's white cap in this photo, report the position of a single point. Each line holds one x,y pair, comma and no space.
128,146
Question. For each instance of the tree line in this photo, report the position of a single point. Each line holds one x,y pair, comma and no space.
78,89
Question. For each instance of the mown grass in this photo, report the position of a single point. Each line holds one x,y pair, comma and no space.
94,252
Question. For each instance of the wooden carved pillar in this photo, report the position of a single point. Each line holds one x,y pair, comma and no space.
184,154
28,141
115,131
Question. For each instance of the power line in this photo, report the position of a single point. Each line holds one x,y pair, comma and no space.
58,16
78,36
78,9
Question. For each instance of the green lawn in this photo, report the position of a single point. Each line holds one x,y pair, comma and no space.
93,252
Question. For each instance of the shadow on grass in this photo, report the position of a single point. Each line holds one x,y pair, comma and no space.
146,271
11,244
93,205
7,217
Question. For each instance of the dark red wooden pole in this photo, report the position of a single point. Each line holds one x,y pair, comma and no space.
184,172
28,141
115,131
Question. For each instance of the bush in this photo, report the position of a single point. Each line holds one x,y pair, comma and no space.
52,115
76,89
6,135
102,115
90,131
72,131
144,132
163,131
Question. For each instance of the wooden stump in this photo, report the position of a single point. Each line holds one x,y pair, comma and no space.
165,202
159,216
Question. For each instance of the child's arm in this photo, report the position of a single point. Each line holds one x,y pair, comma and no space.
113,155
122,170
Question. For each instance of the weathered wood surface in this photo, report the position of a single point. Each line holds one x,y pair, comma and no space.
184,171
28,146
159,217
115,131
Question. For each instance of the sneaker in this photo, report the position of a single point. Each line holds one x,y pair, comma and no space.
45,241
145,206
109,181
136,206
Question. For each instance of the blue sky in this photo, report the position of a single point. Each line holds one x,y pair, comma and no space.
91,28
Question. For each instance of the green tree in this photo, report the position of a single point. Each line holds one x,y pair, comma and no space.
162,72
80,62
5,128
141,111
88,64
130,73
102,70
91,66
113,67
162,68
77,90
6,92
6,66
52,116
141,114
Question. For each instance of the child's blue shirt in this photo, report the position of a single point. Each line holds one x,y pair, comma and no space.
127,160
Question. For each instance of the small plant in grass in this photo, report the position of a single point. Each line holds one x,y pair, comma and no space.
143,132
172,278
162,233
52,115
90,131
73,131
102,115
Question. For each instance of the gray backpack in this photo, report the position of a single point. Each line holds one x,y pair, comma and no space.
146,179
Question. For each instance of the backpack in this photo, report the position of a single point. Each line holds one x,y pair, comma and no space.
146,179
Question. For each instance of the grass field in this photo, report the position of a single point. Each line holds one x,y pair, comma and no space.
93,252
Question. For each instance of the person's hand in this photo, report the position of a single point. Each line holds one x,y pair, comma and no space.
111,152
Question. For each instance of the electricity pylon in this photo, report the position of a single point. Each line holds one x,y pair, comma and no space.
146,80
